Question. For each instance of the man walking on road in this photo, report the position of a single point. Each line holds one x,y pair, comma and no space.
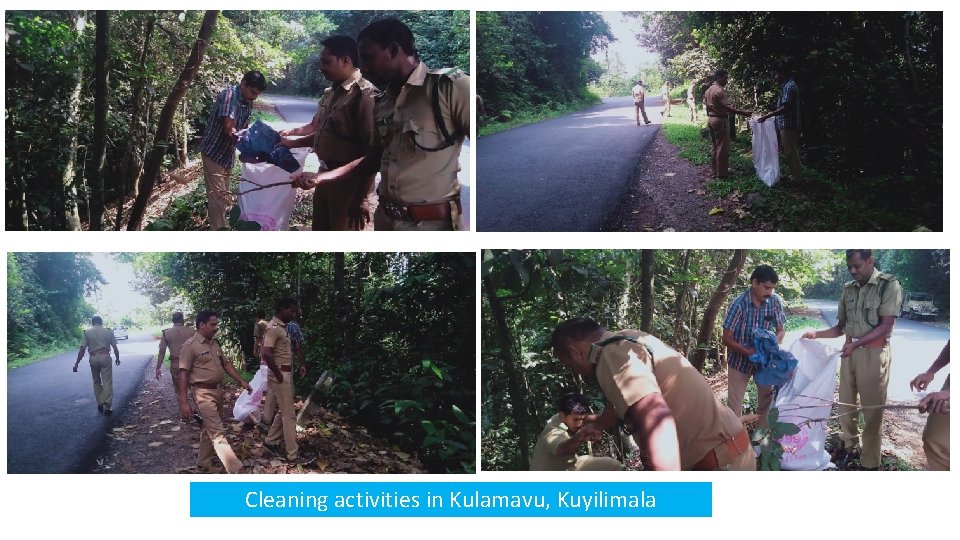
718,113
638,95
174,338
665,94
98,340
788,119
868,308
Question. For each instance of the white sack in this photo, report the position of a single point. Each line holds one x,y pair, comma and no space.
766,157
270,207
249,404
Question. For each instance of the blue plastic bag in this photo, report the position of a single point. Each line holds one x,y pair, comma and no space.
259,143
774,366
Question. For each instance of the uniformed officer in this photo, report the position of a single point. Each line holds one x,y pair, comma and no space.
665,94
692,103
278,354
259,328
340,131
675,418
638,95
865,316
98,341
421,119
174,338
202,366
562,437
936,434
718,113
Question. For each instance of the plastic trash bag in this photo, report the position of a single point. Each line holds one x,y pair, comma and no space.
774,366
258,144
248,405
766,156
808,395
270,207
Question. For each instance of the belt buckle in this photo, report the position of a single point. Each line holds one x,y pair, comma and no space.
395,211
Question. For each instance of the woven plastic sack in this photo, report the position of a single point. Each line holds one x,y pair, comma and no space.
270,207
248,405
808,395
766,157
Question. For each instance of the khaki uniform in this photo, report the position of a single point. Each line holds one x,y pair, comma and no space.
269,400
717,102
344,121
866,373
665,94
936,439
98,341
418,174
285,424
692,105
638,96
545,457
707,430
203,360
173,338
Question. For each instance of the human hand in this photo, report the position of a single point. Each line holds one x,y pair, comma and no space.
285,142
590,432
118,361
936,402
284,132
762,119
75,367
303,370
305,180
158,373
921,381
359,214
185,412
278,374
247,386
848,349
809,335
751,351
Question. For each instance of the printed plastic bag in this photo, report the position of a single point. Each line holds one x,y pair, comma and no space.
766,157
270,207
248,405
808,395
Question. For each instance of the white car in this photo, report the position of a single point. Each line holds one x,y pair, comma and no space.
120,332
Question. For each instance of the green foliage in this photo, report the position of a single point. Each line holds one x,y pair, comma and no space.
768,440
536,114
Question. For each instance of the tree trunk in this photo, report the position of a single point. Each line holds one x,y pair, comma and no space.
510,369
646,290
100,106
67,194
680,337
185,134
160,142
131,165
713,308
339,303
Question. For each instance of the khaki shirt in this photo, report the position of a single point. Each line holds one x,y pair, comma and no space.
545,456
344,121
628,372
408,174
259,329
861,306
637,93
98,340
278,338
203,359
716,101
174,337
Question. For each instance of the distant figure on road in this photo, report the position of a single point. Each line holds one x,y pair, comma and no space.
788,119
936,434
230,114
692,103
174,338
98,340
718,112
638,95
868,307
339,133
562,437
422,118
665,94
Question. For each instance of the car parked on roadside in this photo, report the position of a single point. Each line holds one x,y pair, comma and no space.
120,332
918,305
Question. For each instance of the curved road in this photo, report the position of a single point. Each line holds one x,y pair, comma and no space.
53,425
564,174
914,346
297,111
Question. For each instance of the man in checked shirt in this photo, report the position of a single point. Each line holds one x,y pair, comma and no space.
757,307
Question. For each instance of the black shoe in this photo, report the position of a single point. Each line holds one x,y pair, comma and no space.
274,449
304,457
100,407
107,411
197,418
846,458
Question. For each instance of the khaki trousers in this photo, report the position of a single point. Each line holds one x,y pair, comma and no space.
638,105
597,463
737,387
286,423
216,178
666,106
694,114
863,378
790,141
720,138
936,442
331,206
269,406
213,439
383,222
101,368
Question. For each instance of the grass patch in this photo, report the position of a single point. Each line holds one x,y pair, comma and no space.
40,352
265,116
536,114
797,322
822,202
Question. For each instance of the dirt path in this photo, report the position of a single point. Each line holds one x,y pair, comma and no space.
668,193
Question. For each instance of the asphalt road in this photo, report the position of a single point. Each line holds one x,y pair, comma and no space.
298,111
53,425
914,346
564,174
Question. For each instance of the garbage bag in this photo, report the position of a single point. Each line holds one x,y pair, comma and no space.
808,396
270,207
248,405
774,366
766,157
259,138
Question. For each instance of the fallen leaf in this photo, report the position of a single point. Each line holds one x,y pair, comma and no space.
162,422
175,428
167,436
715,210
670,174
155,444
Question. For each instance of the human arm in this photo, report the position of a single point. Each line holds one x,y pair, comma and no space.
367,165
835,331
881,331
921,381
116,353
302,370
83,350
302,142
182,392
358,213
607,419
734,345
734,319
572,445
162,353
232,372
267,355
304,130
936,402
655,430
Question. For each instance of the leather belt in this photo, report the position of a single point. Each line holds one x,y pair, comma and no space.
878,344
100,351
736,446
420,212
717,116
208,386
288,368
